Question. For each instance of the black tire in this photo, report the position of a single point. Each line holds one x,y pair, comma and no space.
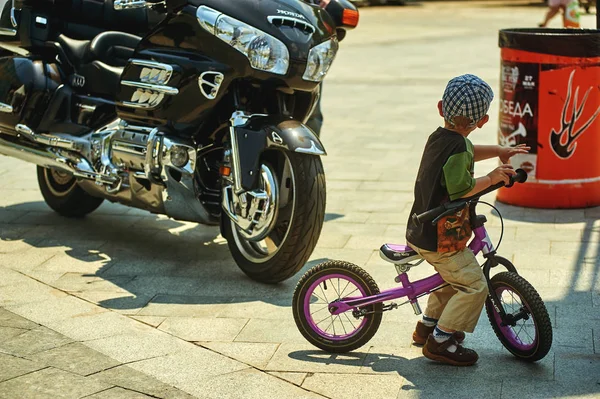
63,195
302,230
541,340
363,333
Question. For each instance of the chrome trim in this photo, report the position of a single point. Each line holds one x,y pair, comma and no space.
312,150
41,20
129,4
170,91
207,18
150,76
291,22
13,19
129,148
8,32
215,85
8,109
72,143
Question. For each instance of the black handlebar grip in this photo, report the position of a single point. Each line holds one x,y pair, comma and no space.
520,177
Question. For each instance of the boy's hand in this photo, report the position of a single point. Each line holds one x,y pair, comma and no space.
506,153
501,174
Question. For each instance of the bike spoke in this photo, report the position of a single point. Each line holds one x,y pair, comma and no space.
344,290
351,293
351,323
336,291
317,311
342,323
315,294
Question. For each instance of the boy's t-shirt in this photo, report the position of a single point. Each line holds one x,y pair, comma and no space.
445,174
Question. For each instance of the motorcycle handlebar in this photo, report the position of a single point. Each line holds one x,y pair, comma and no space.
437,213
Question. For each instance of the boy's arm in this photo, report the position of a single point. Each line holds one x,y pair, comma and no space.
482,152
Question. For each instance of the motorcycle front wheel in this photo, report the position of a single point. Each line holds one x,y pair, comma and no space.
299,219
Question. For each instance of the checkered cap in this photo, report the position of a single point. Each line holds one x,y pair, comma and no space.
467,95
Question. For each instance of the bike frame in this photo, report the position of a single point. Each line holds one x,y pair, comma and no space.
412,290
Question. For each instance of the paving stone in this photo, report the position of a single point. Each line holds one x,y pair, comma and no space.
550,389
203,329
33,341
118,393
9,319
120,302
253,353
189,369
584,368
49,383
75,358
128,378
275,331
294,378
349,386
184,306
304,357
136,346
250,384
153,321
472,387
10,332
12,366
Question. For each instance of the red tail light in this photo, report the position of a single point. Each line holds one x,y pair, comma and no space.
350,18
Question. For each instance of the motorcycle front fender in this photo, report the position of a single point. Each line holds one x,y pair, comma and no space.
263,133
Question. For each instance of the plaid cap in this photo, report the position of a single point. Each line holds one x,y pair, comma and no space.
466,95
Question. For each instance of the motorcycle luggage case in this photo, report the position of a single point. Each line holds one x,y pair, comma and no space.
25,89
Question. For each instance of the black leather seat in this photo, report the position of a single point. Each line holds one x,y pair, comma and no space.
100,61
112,48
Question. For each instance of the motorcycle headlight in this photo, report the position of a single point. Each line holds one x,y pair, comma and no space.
264,52
320,59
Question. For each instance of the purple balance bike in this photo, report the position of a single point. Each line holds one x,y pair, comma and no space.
338,307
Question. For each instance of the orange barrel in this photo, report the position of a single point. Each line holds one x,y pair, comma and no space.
550,100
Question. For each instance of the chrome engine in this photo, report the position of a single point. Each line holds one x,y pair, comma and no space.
133,165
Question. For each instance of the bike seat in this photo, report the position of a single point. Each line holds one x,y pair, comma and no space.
112,48
397,253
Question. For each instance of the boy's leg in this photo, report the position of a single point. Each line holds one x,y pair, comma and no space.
463,309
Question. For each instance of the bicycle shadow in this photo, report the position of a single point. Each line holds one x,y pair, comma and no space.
125,261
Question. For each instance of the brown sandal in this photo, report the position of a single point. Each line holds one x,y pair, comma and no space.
422,332
438,351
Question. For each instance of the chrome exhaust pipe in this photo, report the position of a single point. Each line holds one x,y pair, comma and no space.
69,162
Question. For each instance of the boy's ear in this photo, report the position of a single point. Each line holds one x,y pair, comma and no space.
440,108
483,121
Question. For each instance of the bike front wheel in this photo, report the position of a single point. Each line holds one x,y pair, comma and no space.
325,284
530,338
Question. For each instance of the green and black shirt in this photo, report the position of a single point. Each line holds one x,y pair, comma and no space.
445,174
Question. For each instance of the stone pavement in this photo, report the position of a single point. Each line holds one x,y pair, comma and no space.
124,304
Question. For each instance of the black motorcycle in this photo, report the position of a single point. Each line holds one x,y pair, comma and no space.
200,120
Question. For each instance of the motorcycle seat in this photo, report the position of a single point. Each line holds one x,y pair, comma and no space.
112,48
99,61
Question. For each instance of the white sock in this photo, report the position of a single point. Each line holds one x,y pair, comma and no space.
429,321
442,336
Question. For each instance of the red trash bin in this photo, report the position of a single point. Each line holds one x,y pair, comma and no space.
550,100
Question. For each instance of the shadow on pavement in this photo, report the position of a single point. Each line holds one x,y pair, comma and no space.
162,261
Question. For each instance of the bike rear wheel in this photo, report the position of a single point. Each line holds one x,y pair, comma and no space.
323,285
530,338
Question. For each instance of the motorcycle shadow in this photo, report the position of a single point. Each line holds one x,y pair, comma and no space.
132,261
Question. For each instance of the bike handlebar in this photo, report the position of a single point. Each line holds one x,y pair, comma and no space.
436,214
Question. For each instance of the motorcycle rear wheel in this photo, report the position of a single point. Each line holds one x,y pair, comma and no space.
63,195
296,230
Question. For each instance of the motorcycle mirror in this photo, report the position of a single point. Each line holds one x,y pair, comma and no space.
344,13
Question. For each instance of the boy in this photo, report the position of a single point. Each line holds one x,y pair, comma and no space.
446,174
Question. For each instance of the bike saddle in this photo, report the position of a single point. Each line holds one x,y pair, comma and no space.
397,253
